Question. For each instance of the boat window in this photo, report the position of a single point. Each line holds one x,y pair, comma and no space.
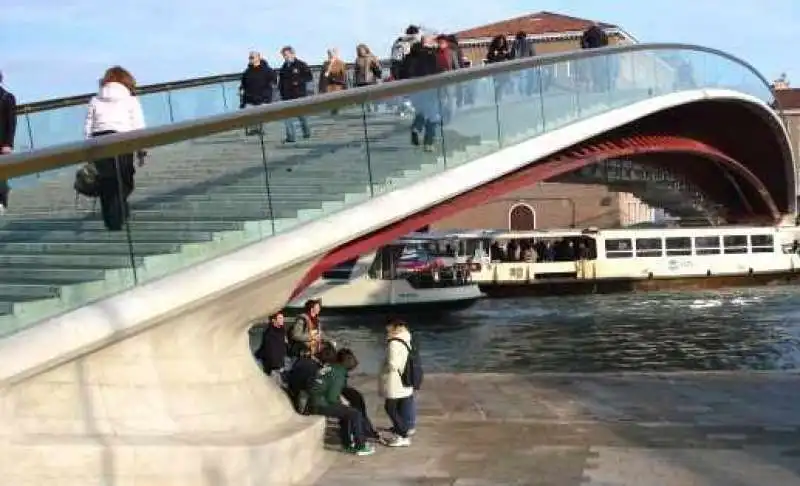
619,248
648,247
762,244
341,271
706,245
679,246
735,244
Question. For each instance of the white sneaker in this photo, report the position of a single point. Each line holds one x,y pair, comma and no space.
397,441
411,432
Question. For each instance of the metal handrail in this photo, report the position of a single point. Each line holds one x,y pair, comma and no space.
17,165
55,103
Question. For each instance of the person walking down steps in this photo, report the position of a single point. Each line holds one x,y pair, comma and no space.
115,109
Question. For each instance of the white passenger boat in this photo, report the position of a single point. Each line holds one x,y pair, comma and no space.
617,260
409,275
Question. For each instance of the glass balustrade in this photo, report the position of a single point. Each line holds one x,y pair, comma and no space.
201,198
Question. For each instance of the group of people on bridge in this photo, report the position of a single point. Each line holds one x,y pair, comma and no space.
414,54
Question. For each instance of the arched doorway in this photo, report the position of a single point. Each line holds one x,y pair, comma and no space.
521,217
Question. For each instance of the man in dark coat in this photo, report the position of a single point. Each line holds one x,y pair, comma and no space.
257,85
8,128
272,352
293,84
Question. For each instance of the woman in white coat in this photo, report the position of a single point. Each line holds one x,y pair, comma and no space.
398,397
115,109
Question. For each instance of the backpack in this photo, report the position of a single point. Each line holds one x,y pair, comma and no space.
400,49
87,181
412,374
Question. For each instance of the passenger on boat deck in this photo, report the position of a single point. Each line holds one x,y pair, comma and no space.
304,334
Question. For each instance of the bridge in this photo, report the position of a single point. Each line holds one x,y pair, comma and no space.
125,354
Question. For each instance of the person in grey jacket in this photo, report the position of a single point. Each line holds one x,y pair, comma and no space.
303,335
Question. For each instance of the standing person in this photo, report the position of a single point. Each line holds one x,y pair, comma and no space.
402,48
8,129
257,85
523,48
294,77
396,386
334,75
368,70
596,71
500,51
304,335
272,352
115,109
424,61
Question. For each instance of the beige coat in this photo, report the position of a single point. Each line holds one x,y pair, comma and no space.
390,385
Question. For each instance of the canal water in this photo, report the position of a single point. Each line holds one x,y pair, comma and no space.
710,330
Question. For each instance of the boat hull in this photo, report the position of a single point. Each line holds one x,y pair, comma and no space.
625,284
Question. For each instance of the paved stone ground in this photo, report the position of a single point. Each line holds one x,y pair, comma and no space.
648,429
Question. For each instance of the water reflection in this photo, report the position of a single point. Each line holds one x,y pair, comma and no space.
722,330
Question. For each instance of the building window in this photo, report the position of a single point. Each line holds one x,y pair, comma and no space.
521,217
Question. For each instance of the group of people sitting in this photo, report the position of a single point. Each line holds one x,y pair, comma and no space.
314,374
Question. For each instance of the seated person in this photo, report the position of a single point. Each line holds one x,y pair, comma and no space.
272,351
325,399
300,377
354,397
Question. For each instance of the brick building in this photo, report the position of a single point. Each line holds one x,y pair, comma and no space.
547,204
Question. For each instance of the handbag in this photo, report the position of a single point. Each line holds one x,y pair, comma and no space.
87,181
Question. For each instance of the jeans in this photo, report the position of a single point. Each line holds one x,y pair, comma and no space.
428,114
398,410
356,400
351,423
291,132
411,413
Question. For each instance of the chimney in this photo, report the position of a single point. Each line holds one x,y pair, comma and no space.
781,83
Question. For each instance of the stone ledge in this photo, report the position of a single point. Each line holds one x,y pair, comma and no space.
293,454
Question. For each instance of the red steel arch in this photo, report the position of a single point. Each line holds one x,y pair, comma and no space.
628,147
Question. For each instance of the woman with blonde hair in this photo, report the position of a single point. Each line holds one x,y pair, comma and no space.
334,74
115,109
368,69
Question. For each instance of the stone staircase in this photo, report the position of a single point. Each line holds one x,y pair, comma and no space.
205,197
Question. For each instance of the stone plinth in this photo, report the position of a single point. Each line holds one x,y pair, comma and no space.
179,401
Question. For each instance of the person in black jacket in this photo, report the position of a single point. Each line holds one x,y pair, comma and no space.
272,352
522,48
293,84
422,61
500,51
597,69
257,85
8,128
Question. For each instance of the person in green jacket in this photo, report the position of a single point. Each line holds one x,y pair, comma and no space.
325,399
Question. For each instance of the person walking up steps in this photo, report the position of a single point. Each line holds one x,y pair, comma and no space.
294,77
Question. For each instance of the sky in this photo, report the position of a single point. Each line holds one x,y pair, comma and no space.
54,48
